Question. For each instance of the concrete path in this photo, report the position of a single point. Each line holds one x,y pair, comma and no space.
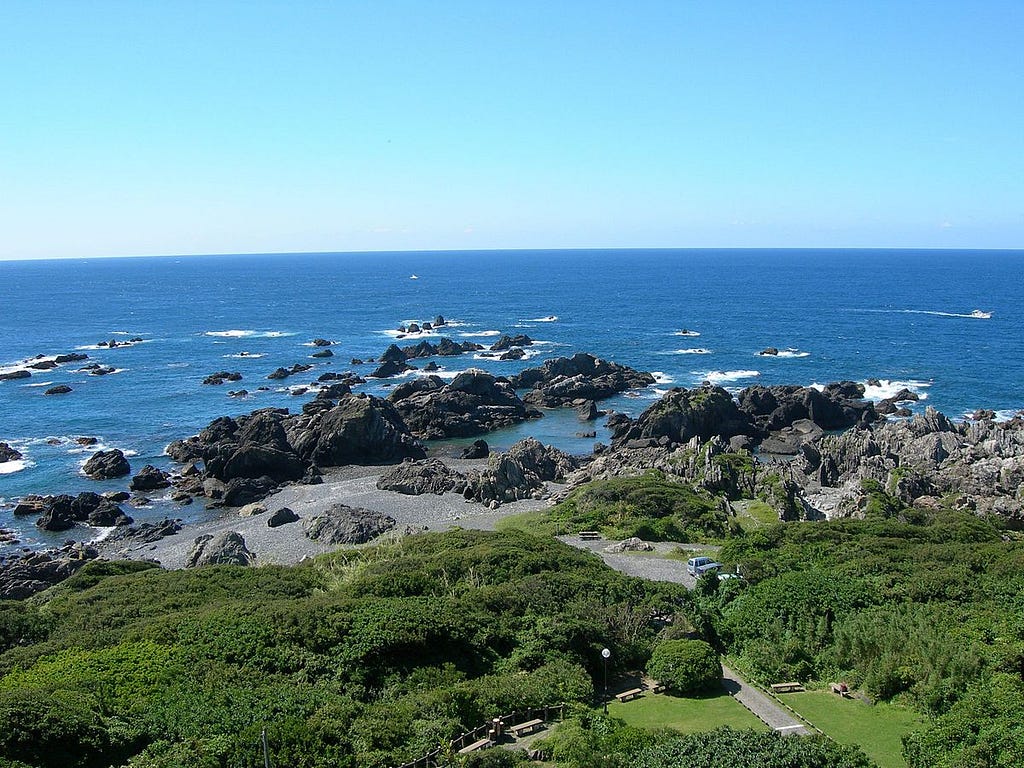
774,716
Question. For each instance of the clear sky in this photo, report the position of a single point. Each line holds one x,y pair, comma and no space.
174,127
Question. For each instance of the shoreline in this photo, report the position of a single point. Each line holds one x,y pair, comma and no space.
354,485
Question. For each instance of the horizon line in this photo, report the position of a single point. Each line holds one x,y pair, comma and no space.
574,249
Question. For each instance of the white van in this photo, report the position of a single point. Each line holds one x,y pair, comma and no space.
698,566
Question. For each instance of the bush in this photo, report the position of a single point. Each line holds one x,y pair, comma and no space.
686,666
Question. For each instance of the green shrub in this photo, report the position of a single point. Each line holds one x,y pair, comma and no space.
686,666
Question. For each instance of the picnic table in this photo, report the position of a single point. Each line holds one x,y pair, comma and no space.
630,694
589,535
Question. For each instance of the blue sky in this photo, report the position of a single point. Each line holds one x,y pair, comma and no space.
132,128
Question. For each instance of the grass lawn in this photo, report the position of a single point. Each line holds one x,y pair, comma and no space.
875,729
752,514
688,715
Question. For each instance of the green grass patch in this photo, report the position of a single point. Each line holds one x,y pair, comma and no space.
688,715
877,729
752,514
538,522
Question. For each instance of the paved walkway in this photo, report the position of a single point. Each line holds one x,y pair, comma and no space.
774,716
657,567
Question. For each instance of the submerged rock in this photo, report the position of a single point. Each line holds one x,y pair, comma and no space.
106,465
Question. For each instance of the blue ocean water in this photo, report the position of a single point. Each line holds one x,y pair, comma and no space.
903,317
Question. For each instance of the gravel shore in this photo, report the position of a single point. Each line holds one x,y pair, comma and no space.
355,486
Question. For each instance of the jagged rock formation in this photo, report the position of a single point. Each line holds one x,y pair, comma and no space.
836,406
682,414
474,402
519,474
394,360
246,458
574,380
418,477
8,454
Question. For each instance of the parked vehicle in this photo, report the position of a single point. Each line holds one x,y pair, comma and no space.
698,566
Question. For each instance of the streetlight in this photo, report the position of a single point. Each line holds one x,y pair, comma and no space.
606,654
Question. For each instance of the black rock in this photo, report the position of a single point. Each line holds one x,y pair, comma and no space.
12,375
477,450
149,478
105,465
8,454
221,376
70,358
226,548
341,524
323,353
60,389
507,342
323,343
43,365
283,516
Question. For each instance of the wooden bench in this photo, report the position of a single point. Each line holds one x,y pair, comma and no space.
841,689
481,744
630,694
786,687
528,727
589,535
658,688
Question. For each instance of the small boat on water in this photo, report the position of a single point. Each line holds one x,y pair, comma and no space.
414,277
981,315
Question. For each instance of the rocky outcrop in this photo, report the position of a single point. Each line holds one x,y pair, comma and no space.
63,511
573,380
284,373
144,533
15,375
630,545
682,414
7,453
395,359
508,342
519,474
106,465
221,376
473,403
29,573
149,478
977,466
836,406
246,458
60,389
226,548
342,524
414,478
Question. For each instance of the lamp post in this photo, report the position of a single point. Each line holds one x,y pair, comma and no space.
605,655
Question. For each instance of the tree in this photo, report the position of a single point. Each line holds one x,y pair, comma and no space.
686,666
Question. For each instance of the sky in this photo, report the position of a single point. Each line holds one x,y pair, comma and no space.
175,127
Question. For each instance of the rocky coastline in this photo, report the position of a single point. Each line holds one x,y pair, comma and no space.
354,462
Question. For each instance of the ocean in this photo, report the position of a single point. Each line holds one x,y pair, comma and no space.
902,317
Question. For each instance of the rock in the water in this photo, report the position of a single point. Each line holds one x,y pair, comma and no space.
8,454
323,353
226,548
60,389
221,376
507,342
769,352
478,449
341,524
564,380
145,533
323,342
14,375
149,478
283,516
105,465
683,414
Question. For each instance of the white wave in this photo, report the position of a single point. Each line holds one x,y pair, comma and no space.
10,467
975,314
887,388
692,351
102,533
686,332
660,377
791,352
546,319
395,334
479,334
718,377
179,365
246,355
39,384
247,334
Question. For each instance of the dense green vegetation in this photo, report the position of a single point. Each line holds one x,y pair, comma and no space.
685,666
363,658
651,507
